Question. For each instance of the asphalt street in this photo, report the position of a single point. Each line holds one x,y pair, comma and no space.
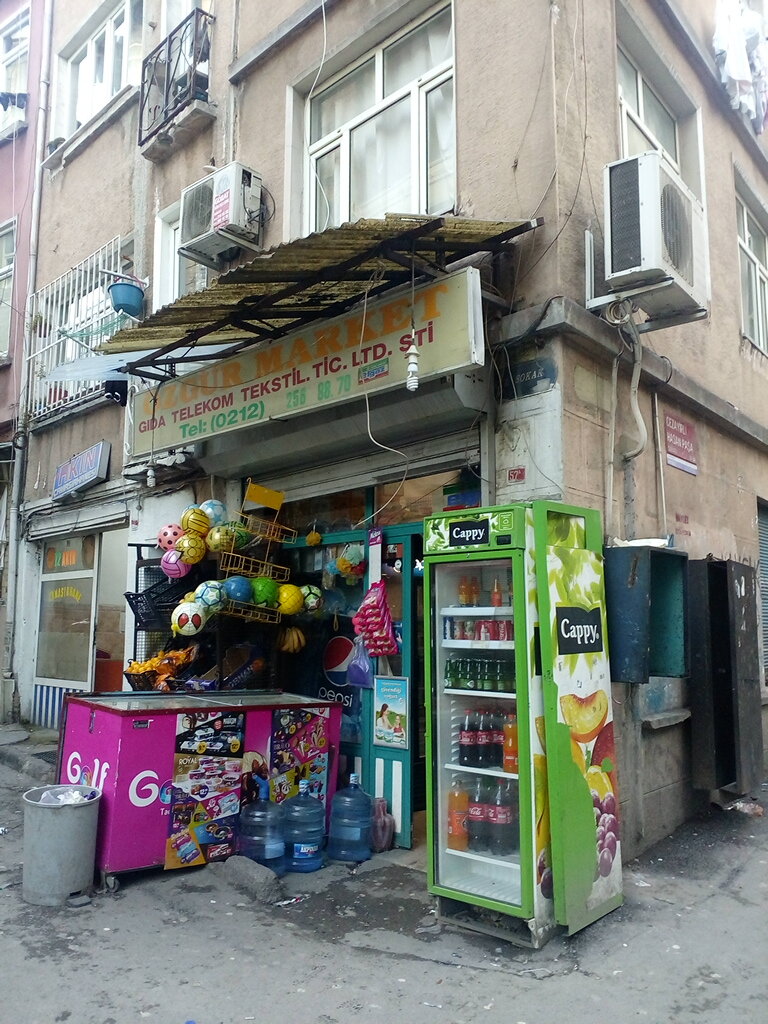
689,944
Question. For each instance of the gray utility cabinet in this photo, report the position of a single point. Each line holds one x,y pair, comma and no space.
645,599
726,733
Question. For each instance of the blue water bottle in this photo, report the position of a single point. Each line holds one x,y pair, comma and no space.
261,835
349,837
304,830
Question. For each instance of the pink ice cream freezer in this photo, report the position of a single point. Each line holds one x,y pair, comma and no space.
174,769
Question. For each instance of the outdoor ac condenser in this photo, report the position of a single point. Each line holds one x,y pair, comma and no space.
655,233
219,212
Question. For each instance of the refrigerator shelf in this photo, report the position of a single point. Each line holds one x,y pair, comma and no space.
480,645
496,773
498,694
492,612
512,861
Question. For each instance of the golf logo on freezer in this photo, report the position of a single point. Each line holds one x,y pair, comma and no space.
80,774
579,631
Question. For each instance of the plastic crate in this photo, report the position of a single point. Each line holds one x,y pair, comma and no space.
153,606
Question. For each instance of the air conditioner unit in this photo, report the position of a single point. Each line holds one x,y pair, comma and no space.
655,234
221,212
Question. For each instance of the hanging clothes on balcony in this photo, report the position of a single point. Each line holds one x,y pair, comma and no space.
742,58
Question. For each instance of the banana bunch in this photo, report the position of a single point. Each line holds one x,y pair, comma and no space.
291,640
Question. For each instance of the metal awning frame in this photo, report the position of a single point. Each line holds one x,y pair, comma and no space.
276,294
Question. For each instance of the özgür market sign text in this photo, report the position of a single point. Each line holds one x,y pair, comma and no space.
333,362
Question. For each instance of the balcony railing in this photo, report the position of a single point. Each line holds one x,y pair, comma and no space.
175,73
68,319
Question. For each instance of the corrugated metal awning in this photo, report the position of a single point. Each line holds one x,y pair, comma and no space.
309,279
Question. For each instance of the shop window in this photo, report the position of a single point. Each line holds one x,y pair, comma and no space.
14,52
382,133
99,63
7,251
330,513
753,266
66,609
413,500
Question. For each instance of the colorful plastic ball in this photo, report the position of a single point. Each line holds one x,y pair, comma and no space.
167,537
172,565
188,618
215,510
237,588
191,547
313,597
290,599
211,594
220,538
242,537
265,591
194,520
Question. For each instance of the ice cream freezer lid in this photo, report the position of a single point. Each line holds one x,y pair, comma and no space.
131,701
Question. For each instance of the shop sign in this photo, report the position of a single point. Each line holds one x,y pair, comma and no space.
682,447
336,361
82,471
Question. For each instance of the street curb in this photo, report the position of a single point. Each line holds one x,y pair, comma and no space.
20,756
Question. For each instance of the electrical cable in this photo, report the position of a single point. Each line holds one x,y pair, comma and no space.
308,120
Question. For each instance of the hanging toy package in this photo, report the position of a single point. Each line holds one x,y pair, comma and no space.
373,622
360,668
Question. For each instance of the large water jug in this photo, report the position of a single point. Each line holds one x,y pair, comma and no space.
262,834
304,831
349,836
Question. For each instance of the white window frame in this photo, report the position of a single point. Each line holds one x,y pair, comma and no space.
169,265
6,274
758,272
81,48
16,28
340,136
638,118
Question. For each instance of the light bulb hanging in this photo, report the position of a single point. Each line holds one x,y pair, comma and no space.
412,364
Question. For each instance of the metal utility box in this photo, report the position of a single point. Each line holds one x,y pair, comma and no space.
645,595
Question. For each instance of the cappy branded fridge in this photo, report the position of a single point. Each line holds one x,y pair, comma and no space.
523,816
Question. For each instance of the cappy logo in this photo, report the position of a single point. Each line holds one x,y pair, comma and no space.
579,631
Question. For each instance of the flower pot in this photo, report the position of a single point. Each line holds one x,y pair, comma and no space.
126,298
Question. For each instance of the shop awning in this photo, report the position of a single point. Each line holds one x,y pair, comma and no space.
309,279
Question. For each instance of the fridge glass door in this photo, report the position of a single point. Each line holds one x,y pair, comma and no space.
477,813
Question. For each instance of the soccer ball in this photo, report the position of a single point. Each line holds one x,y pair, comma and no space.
188,618
265,591
167,537
215,510
241,535
313,597
172,565
290,599
220,538
211,594
191,547
194,520
237,588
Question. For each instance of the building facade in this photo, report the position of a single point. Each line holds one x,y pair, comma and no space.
182,140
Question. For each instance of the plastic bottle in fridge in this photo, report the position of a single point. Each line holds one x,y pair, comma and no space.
511,763
477,817
349,835
304,830
502,820
468,740
458,809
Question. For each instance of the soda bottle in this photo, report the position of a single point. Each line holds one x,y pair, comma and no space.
484,755
497,598
458,808
474,591
464,593
501,818
476,817
485,681
498,739
470,674
449,675
468,740
511,762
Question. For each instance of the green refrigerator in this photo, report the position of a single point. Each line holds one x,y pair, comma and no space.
523,805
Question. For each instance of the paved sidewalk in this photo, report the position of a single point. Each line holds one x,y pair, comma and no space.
21,747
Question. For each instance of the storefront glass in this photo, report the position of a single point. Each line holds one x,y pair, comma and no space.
66,602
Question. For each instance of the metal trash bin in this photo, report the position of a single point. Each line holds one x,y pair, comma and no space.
59,844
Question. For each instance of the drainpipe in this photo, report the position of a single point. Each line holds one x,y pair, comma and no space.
20,439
